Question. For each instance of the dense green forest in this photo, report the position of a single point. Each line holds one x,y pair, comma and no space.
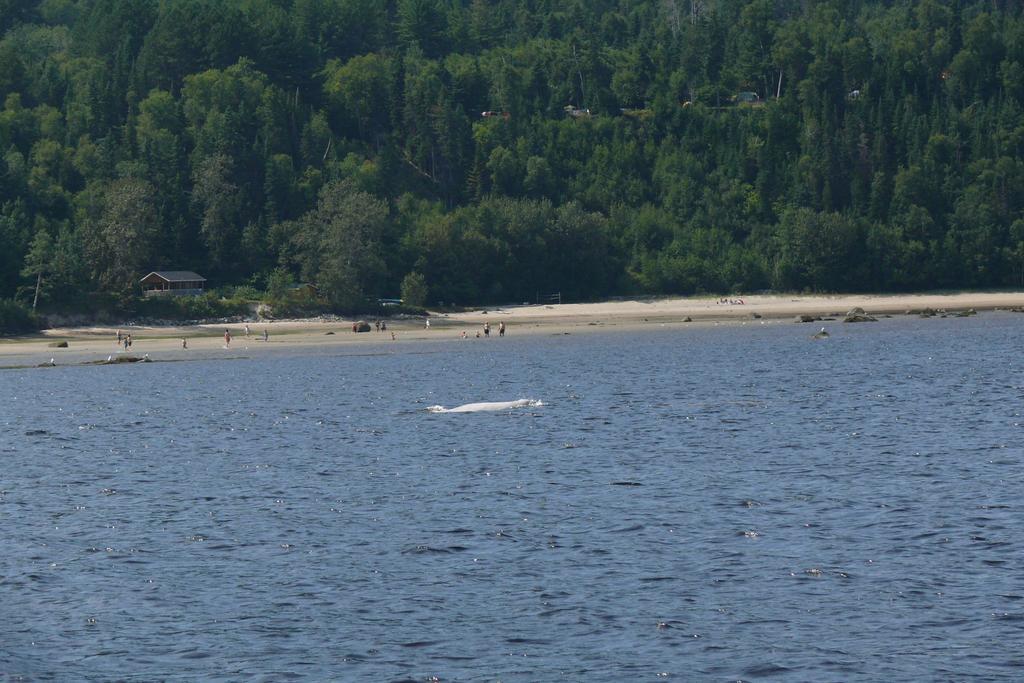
476,151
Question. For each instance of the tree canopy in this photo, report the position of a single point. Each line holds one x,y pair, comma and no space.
477,151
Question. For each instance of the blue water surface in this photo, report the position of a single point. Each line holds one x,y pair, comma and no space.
708,503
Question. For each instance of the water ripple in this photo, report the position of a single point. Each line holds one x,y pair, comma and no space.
721,503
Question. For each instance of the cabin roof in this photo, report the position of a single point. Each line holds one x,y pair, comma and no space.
176,276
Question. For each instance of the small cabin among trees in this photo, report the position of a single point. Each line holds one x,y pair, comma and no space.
576,113
172,283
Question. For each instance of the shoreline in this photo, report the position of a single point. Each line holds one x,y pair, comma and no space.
91,345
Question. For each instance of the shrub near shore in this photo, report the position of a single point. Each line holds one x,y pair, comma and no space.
16,319
246,302
202,307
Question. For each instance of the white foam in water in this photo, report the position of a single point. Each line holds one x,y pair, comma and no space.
488,406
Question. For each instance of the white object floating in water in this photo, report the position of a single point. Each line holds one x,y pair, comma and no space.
488,406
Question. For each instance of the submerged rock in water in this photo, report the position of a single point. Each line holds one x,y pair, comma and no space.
806,318
859,318
114,360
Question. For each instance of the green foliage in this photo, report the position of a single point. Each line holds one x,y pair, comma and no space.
502,149
246,293
339,245
414,290
278,283
121,232
359,92
37,263
819,251
202,307
15,318
290,300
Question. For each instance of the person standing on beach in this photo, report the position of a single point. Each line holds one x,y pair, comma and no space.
247,335
426,324
124,341
119,337
501,328
128,339
184,343
487,329
227,338
266,335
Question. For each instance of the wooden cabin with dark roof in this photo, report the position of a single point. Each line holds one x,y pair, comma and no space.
173,283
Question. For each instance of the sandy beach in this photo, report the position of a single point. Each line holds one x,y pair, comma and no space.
96,344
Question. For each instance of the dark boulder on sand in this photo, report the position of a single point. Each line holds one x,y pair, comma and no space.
857,315
58,345
361,326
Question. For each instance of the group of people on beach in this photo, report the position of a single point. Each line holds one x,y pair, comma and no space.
487,330
731,302
248,335
125,340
